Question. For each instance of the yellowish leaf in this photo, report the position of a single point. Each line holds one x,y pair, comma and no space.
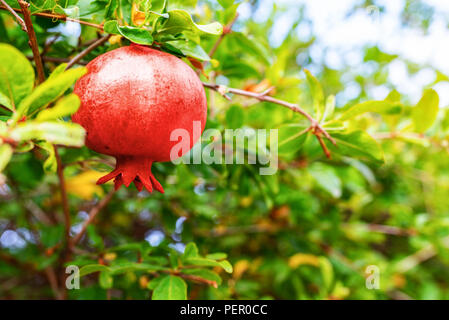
303,259
240,267
138,17
115,39
85,185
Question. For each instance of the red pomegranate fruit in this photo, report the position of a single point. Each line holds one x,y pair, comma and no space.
132,98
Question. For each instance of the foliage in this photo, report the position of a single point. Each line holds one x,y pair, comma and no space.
220,231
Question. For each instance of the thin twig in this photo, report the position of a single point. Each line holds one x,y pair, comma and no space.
58,17
86,51
92,214
315,127
32,40
226,30
14,13
197,279
64,198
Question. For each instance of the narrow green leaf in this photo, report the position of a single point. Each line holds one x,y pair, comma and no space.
111,27
5,155
250,45
110,8
329,108
16,75
5,101
48,91
291,138
58,70
66,106
217,256
327,272
204,262
191,250
187,48
105,280
133,266
381,106
226,3
50,163
317,94
92,268
154,283
326,177
425,112
136,35
358,144
180,21
64,133
226,265
170,288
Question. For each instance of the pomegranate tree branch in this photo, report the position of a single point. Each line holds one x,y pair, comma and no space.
86,51
64,198
14,13
315,127
58,17
32,40
227,29
92,214
196,279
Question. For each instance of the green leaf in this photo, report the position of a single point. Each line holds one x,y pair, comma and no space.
329,108
181,21
111,26
16,76
154,283
217,256
50,163
291,138
317,94
425,112
5,155
250,45
191,250
182,3
204,262
92,268
235,117
110,8
64,133
66,106
133,266
5,101
358,144
170,288
136,35
226,3
326,177
327,272
187,48
58,70
105,280
48,91
382,106
226,265
204,274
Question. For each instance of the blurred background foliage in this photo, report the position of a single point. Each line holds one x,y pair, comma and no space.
224,231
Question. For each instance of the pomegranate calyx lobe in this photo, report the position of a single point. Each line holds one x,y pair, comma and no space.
133,169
